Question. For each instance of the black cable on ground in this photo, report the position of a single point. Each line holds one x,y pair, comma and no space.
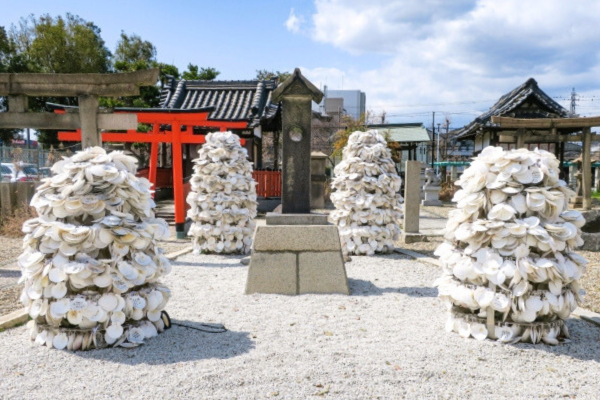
207,328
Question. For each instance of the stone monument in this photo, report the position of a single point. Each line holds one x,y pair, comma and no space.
431,189
410,231
296,252
577,201
318,179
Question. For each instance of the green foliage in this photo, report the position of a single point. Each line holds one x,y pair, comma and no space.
203,74
132,49
9,62
351,125
263,74
67,45
5,50
168,69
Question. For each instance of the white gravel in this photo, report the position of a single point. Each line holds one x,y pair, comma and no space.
384,341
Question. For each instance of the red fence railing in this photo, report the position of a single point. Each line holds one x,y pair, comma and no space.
268,183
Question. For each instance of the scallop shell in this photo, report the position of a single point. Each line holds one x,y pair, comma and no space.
95,238
222,199
520,260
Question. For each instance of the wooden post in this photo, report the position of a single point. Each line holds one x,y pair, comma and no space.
554,133
88,115
178,182
586,166
152,172
520,138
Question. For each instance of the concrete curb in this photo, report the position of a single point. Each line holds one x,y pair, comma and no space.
587,315
175,254
13,319
419,256
579,312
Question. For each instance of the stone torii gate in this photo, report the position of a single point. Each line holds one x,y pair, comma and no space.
86,87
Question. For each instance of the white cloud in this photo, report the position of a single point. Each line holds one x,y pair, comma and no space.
469,50
293,22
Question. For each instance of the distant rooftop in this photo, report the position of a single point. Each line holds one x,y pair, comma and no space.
403,133
232,100
513,104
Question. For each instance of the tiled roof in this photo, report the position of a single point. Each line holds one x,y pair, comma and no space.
509,106
403,133
233,100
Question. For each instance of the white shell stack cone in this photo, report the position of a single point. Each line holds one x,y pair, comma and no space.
510,270
91,263
223,197
366,198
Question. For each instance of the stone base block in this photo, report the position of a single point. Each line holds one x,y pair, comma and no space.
322,272
431,202
576,201
297,259
409,238
273,273
296,219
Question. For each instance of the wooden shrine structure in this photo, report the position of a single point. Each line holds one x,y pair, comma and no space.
528,117
245,107
557,131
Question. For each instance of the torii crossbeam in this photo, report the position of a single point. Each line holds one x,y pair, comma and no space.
87,87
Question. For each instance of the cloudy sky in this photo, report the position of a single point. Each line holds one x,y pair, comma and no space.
410,57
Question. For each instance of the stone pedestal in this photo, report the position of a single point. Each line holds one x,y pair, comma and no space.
577,201
573,176
454,173
297,254
432,196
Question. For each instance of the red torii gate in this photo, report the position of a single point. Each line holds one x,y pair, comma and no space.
176,118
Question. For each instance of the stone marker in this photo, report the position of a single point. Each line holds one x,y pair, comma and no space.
318,179
454,173
431,189
412,176
296,252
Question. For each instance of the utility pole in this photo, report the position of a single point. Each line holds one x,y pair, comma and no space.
437,168
432,138
573,101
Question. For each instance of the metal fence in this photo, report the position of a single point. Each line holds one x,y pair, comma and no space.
30,163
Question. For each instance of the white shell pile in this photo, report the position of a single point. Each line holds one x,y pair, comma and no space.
366,198
223,197
91,263
510,270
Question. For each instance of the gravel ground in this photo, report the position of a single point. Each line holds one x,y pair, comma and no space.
9,299
10,249
384,341
441,211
